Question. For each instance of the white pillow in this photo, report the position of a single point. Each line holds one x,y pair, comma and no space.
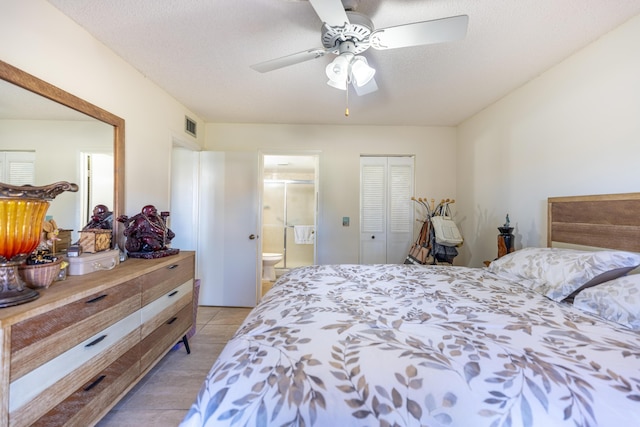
558,273
617,300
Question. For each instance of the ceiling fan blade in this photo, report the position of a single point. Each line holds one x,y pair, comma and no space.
419,33
292,59
371,86
331,12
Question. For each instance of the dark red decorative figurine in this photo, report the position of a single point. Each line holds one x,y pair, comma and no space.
102,219
147,234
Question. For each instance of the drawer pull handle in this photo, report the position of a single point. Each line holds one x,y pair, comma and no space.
172,293
96,341
96,299
173,319
171,267
95,383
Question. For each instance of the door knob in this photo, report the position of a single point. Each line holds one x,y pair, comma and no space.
253,236
373,237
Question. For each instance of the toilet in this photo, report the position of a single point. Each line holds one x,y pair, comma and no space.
269,261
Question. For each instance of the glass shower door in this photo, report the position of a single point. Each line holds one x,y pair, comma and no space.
300,211
273,218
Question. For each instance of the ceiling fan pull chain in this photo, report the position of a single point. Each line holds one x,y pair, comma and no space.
346,110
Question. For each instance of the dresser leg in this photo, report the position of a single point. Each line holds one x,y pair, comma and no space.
185,341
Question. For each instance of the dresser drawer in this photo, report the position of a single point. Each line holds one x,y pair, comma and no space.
37,392
165,336
89,401
157,312
43,337
161,281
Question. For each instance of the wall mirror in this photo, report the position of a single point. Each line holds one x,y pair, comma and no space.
72,140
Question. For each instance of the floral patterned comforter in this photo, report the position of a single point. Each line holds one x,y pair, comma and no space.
412,345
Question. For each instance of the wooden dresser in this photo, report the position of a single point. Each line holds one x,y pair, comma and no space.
70,355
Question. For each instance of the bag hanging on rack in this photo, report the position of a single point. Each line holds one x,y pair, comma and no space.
445,229
419,252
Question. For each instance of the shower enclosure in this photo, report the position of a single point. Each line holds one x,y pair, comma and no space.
288,204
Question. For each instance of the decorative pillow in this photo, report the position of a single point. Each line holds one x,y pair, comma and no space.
617,300
557,273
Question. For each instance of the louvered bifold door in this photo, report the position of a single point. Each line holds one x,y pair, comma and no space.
400,209
373,210
17,167
386,213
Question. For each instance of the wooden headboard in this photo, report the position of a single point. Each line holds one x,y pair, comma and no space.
602,221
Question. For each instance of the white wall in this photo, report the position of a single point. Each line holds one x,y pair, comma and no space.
53,164
40,40
339,149
574,130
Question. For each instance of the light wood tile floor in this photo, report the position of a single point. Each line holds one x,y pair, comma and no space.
163,397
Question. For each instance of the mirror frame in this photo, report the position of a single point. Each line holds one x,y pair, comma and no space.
33,84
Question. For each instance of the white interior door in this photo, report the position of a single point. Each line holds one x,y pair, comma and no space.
373,210
400,222
95,191
185,175
228,244
386,211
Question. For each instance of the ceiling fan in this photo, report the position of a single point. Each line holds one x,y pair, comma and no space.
347,34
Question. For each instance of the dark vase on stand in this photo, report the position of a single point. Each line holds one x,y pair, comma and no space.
505,241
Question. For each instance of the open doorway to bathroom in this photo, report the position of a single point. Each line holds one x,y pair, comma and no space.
289,207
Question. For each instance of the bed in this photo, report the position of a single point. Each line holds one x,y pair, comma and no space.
542,337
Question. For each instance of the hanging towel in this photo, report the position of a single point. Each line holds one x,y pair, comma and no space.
304,234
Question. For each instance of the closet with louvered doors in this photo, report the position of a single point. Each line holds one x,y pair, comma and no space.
386,210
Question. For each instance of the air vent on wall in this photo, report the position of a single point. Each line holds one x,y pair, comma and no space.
190,126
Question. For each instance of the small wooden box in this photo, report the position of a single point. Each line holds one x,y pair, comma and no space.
95,240
63,242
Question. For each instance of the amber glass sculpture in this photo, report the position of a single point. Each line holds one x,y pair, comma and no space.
22,211
21,221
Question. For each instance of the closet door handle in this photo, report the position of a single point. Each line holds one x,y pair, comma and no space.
253,237
373,237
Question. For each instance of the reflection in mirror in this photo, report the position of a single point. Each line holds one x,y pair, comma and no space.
67,139
44,142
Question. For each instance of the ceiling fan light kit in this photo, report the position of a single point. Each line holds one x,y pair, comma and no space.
347,34
338,71
361,72
348,68
338,83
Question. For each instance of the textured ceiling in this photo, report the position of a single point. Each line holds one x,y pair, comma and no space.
200,51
